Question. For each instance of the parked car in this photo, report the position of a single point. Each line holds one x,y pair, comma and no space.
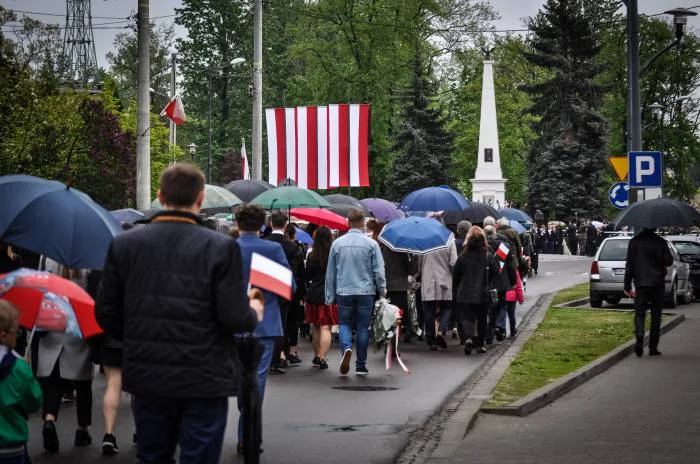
607,276
688,247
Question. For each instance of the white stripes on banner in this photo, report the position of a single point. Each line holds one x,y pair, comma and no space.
302,148
291,142
322,146
333,146
271,143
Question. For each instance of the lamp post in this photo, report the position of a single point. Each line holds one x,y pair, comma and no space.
193,150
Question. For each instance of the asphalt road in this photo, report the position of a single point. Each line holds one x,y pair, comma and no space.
307,417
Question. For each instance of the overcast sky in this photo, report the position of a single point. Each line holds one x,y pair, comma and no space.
107,14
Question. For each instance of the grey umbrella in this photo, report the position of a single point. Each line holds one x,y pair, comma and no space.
661,212
340,199
216,199
247,189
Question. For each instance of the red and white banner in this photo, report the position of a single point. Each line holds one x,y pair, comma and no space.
271,276
174,110
320,147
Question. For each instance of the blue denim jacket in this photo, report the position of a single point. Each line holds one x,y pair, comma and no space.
355,267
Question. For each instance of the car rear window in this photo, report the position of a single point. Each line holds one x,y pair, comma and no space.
614,250
687,248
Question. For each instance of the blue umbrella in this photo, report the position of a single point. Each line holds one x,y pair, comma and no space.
514,214
382,210
127,215
46,217
441,198
519,228
415,235
303,236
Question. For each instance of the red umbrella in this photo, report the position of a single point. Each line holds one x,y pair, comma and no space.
321,217
27,288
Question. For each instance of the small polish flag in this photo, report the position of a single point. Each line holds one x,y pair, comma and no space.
174,111
271,276
502,251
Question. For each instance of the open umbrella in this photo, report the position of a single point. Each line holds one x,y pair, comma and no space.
474,213
247,189
49,218
36,291
660,212
321,217
286,198
514,214
340,199
383,210
216,200
517,227
128,215
415,235
441,198
303,236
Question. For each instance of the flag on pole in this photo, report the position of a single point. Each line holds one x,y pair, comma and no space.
502,251
174,110
245,168
271,276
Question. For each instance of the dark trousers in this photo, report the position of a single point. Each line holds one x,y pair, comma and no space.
573,246
510,310
197,425
21,457
295,317
281,343
535,261
432,310
645,297
53,387
496,315
474,322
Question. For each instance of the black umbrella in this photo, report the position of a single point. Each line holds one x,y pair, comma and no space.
248,189
248,350
474,213
340,199
661,212
343,210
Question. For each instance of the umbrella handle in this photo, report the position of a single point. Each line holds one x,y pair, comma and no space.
28,351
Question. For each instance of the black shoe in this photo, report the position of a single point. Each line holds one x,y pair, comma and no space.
361,371
240,450
441,342
82,438
323,364
407,338
293,359
134,439
433,348
639,347
468,346
500,335
283,364
109,445
316,361
454,334
50,437
277,370
345,362
654,352
481,349
513,333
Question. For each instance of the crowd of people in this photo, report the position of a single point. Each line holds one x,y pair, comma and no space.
174,301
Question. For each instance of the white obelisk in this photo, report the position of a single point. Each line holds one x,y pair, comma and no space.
488,185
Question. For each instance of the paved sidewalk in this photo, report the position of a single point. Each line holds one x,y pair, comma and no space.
642,410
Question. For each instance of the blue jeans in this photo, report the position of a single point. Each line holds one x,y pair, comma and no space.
197,425
355,311
267,347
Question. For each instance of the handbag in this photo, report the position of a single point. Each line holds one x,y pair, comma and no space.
492,292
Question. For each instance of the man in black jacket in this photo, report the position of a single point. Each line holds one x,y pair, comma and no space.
174,293
288,309
648,256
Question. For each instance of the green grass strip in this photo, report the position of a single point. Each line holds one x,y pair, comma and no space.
572,293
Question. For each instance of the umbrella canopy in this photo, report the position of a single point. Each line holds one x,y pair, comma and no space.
46,217
383,210
339,199
517,227
474,213
415,235
440,198
515,214
661,212
290,197
216,199
247,189
127,215
321,217
39,295
343,210
303,236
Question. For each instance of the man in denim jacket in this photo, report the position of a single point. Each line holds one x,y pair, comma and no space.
354,278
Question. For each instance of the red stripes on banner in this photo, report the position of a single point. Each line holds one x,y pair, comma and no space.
320,147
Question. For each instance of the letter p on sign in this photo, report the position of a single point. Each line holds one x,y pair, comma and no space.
645,169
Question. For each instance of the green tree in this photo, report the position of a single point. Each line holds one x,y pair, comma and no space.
567,160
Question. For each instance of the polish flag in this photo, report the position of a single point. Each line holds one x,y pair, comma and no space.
502,251
271,276
245,167
174,111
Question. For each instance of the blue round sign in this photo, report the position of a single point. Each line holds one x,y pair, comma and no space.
619,195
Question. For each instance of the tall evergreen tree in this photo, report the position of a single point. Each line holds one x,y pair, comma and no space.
566,161
423,142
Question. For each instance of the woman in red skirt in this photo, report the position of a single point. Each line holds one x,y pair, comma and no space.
319,315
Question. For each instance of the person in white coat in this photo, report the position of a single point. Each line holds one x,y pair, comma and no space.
436,293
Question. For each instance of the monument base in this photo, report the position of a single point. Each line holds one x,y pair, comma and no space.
489,191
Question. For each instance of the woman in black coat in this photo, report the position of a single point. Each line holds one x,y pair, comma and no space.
474,271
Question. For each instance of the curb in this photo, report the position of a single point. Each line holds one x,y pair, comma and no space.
547,394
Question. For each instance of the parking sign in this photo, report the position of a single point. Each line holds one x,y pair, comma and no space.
645,169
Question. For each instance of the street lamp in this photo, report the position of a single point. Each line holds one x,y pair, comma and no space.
680,19
656,111
193,150
233,62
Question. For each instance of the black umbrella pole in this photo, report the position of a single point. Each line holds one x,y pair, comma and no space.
249,356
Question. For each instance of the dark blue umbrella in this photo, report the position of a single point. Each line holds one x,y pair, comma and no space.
514,214
46,217
383,210
415,235
519,228
127,215
441,198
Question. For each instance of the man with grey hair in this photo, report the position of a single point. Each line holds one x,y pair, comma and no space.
489,221
461,235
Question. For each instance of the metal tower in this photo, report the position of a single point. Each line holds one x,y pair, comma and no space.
79,54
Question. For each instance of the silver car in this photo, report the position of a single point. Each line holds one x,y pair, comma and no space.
607,276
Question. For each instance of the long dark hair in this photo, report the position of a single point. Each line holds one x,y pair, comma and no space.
323,238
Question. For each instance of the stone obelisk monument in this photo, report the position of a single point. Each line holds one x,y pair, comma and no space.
488,184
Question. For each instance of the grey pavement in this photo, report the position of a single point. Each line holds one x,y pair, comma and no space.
306,416
642,410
